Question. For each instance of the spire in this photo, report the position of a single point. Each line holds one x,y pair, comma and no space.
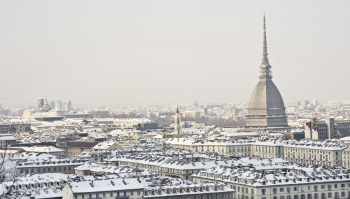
265,67
265,60
177,109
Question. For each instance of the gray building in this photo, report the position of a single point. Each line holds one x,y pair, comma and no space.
266,107
330,129
53,104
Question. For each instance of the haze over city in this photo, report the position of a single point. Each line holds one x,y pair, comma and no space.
174,99
170,52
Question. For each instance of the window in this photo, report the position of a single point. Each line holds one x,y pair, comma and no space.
275,197
82,195
75,195
263,191
315,188
329,187
343,194
323,196
111,194
335,186
322,186
274,190
315,195
281,190
309,196
295,188
336,195
281,197
131,193
104,195
289,197
329,195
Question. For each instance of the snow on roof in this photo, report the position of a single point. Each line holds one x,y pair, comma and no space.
42,149
106,185
272,175
104,145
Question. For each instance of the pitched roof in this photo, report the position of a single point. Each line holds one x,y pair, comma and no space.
81,144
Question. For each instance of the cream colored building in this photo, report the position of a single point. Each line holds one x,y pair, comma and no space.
290,182
313,152
346,157
125,122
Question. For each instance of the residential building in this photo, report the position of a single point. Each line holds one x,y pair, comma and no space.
49,166
314,152
346,157
280,181
7,140
109,189
76,148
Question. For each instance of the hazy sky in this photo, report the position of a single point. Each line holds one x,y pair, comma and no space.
170,52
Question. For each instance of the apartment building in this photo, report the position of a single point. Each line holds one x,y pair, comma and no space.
314,152
76,148
236,148
108,189
37,186
190,191
132,188
346,157
285,181
48,166
7,140
167,166
265,147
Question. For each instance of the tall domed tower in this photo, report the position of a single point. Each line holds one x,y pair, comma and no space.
266,108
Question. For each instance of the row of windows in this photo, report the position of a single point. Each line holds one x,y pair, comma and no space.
104,194
315,188
48,169
315,196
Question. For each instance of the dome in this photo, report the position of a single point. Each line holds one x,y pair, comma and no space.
266,96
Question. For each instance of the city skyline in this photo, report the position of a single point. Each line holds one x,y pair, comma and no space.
168,53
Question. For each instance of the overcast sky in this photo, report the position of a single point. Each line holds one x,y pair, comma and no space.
171,52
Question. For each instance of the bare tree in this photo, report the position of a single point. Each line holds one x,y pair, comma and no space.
9,174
